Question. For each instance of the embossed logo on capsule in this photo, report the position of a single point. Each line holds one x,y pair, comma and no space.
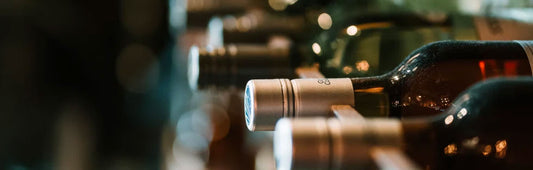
324,81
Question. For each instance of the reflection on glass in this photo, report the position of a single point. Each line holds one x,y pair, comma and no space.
462,113
482,69
471,143
362,66
450,149
501,148
324,21
445,101
352,30
316,48
448,120
486,150
419,98
347,69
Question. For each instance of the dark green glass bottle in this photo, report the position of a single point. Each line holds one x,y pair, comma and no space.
371,49
231,60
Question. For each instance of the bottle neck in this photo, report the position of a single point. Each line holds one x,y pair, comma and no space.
234,65
419,141
371,96
363,84
257,26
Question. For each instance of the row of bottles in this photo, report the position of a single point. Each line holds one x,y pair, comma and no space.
364,45
348,84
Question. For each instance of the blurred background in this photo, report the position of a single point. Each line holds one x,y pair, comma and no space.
84,84
106,85
103,85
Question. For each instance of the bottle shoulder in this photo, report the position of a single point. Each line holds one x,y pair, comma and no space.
432,77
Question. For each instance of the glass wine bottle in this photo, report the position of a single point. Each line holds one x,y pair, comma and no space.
485,128
376,45
362,51
516,10
199,12
257,26
424,84
262,60
234,65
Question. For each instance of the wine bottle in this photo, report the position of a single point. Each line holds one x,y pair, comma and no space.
298,21
424,84
379,43
256,26
516,10
199,12
464,20
235,64
485,128
295,6
257,62
359,51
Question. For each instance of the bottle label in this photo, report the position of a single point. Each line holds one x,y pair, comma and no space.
528,48
502,29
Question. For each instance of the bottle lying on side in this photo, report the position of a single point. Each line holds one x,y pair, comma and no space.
200,11
487,127
423,84
514,9
370,46
234,64
256,26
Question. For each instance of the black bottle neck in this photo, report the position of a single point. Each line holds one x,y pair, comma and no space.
371,97
234,65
